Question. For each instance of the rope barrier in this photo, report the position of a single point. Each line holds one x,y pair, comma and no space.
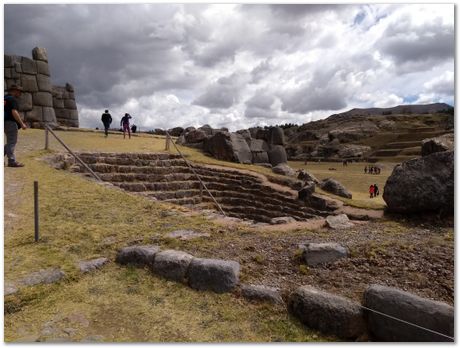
408,322
193,170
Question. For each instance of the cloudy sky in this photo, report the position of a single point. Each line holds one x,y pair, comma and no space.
239,65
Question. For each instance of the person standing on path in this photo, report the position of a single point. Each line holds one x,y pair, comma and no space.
12,123
371,191
124,123
106,119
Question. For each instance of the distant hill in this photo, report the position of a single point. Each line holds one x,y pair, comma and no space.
396,110
373,133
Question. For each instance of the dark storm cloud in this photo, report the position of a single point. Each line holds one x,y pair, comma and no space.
95,48
260,106
406,44
222,94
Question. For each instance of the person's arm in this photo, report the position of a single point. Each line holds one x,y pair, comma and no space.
18,119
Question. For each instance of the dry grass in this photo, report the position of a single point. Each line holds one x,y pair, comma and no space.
81,219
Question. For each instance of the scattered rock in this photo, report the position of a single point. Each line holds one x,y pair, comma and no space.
422,184
328,313
186,234
43,276
337,222
307,177
321,202
9,289
316,254
433,315
335,187
261,293
172,264
215,275
283,169
91,265
282,220
439,144
142,255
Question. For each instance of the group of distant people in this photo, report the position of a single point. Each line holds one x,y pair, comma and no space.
106,119
371,170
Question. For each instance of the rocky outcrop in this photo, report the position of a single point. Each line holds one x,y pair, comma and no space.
40,103
228,147
422,185
353,151
283,169
439,144
425,313
335,187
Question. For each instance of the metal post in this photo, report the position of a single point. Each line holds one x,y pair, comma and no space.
36,210
46,138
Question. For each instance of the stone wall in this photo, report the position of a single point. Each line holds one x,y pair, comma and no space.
41,102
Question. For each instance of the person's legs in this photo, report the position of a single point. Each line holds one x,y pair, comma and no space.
11,132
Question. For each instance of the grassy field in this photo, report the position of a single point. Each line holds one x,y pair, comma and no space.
81,220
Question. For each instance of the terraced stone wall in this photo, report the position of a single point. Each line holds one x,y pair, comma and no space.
40,103
166,177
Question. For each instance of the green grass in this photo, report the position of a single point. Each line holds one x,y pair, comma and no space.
79,220
353,178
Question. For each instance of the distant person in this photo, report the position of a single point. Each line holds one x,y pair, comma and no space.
106,119
12,123
365,170
376,190
371,170
124,123
371,191
134,128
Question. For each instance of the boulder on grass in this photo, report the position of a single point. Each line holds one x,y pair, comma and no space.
338,222
214,275
432,315
172,264
335,187
328,313
422,185
261,293
316,254
140,255
283,169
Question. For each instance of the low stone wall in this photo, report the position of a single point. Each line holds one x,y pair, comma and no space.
41,102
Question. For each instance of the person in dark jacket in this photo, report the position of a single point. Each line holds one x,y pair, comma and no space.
12,122
124,123
106,119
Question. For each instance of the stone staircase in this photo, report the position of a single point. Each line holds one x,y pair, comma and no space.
166,177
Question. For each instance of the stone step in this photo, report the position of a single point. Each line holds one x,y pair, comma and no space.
131,155
401,144
386,152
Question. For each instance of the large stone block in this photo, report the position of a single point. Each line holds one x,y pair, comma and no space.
276,136
228,147
283,169
43,276
215,275
29,83
260,157
172,264
257,145
140,255
10,73
277,154
70,104
328,313
42,99
58,103
338,222
261,293
28,66
48,115
36,115
62,113
10,60
73,115
18,67
43,68
44,83
10,82
39,53
442,143
429,314
25,102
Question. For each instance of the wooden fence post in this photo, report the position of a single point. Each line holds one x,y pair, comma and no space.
36,211
46,139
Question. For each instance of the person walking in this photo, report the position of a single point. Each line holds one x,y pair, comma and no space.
371,191
124,123
106,119
365,170
376,190
12,122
